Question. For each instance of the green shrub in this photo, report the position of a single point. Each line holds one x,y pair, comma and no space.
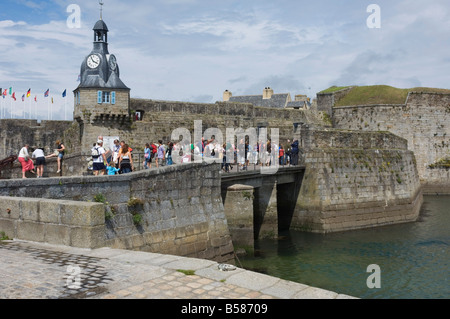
100,198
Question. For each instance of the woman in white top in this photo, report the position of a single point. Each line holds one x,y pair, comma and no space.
39,155
24,159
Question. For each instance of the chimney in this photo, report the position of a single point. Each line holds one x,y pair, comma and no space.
267,93
301,98
227,95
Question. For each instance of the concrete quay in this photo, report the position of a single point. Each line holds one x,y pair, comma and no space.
42,271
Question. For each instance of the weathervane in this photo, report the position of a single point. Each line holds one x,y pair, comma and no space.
101,3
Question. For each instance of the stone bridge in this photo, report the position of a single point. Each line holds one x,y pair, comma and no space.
259,205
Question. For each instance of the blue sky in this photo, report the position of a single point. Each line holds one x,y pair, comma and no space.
193,50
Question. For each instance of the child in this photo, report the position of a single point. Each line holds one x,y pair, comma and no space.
111,168
147,157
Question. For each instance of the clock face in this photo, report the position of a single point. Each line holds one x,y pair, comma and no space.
93,61
112,62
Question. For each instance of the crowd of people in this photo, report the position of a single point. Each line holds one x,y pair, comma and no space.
119,159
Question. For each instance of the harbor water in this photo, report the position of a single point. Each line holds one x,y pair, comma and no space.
414,258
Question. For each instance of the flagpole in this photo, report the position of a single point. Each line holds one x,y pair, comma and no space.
65,111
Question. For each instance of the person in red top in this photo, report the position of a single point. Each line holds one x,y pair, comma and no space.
281,156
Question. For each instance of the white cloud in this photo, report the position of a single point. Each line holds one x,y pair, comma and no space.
193,50
235,35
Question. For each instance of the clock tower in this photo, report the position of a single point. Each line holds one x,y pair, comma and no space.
102,100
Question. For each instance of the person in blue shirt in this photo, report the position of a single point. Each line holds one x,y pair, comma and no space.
147,156
111,168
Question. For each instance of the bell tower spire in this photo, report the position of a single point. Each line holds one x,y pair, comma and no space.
101,3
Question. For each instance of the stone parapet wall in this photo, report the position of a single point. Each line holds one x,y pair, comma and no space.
61,222
180,207
332,138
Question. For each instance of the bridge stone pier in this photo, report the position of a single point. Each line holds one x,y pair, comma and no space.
260,205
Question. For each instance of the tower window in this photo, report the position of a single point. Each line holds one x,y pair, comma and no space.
77,98
106,97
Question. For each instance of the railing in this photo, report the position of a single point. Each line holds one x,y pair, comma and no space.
7,161
138,159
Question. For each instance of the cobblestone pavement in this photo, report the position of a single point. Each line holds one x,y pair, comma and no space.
42,271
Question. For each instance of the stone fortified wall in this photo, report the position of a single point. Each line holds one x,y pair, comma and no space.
326,101
161,118
15,133
172,210
423,121
356,180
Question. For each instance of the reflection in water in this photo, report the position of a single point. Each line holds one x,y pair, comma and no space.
414,258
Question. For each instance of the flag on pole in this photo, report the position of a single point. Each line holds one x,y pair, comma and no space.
52,100
46,93
64,93
29,93
10,91
5,93
14,96
35,98
23,98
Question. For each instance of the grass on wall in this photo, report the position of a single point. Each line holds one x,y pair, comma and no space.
381,94
333,89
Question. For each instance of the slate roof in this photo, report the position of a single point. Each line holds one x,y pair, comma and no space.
95,81
100,26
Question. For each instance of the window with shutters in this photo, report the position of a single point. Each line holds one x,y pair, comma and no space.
105,97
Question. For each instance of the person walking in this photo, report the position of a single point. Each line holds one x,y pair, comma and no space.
25,161
116,150
147,157
99,159
161,152
111,168
281,156
169,153
294,153
126,160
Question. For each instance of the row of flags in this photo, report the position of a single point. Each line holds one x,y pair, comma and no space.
28,94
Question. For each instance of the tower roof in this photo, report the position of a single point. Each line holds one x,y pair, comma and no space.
100,26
